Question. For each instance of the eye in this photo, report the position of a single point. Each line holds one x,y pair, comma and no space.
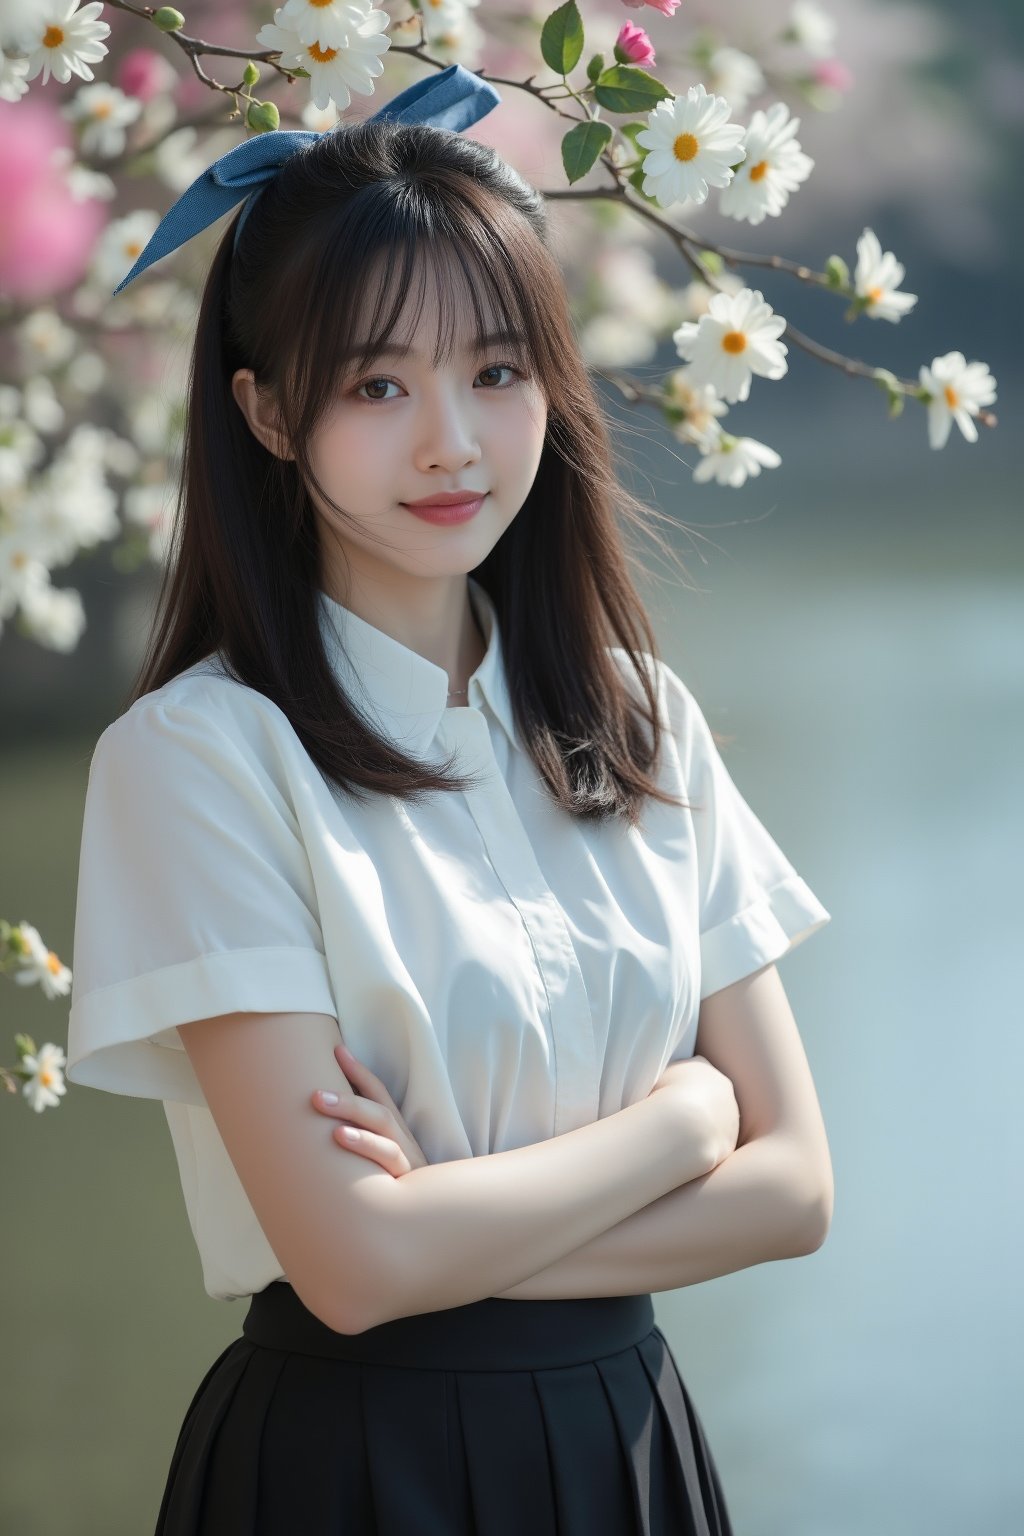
382,379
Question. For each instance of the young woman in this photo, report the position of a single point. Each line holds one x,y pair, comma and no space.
403,773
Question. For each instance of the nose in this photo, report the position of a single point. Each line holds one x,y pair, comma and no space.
449,436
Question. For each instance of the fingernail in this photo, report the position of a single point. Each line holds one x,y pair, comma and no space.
344,1050
328,1098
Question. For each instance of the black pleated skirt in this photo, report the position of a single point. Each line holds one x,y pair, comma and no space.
499,1418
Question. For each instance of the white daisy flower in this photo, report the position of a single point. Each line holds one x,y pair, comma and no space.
811,27
734,75
81,180
702,406
176,161
691,147
147,505
20,568
737,336
105,112
41,404
61,40
958,389
334,72
21,449
877,277
40,965
327,22
120,246
77,508
46,1086
774,166
13,84
446,20
734,458
54,617
44,341
86,373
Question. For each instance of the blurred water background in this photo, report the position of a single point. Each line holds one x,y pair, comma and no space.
859,632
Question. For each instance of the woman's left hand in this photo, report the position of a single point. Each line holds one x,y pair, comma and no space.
371,1123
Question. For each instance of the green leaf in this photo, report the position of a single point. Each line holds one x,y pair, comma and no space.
630,130
561,38
595,66
625,88
581,147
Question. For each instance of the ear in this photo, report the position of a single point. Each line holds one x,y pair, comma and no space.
258,412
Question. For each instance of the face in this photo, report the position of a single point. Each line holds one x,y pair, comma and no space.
404,430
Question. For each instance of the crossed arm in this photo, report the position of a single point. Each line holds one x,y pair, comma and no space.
770,1199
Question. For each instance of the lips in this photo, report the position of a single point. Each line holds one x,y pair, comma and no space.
458,510
447,499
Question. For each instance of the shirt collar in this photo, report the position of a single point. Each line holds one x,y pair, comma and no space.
407,694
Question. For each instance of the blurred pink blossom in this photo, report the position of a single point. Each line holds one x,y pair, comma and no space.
144,74
46,236
634,46
666,7
832,73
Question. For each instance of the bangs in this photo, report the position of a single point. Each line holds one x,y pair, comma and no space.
373,277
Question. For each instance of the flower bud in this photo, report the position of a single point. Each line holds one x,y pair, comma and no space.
837,272
263,117
250,75
167,19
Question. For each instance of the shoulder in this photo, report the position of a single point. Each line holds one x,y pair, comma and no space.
203,708
678,709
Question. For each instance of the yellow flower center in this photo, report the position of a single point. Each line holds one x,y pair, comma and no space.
133,248
685,146
53,37
45,1078
734,341
952,398
19,558
874,294
759,171
52,963
102,109
321,55
320,5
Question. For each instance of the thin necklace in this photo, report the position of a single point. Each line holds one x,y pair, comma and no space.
462,693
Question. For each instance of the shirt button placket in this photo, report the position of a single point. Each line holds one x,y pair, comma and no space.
577,1075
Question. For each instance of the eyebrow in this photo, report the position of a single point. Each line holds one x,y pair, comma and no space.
400,349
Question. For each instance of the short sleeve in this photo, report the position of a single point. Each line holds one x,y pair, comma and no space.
754,906
195,898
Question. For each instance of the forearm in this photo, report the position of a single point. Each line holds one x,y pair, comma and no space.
757,1204
458,1232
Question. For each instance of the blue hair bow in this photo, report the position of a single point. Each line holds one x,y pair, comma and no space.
454,99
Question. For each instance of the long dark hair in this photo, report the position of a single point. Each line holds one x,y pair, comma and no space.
243,567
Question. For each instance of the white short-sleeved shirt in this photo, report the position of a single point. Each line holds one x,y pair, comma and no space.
509,972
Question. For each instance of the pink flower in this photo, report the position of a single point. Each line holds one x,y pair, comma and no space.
666,7
46,236
633,46
144,74
832,73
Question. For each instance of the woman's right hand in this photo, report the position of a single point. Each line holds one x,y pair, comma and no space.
707,1099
